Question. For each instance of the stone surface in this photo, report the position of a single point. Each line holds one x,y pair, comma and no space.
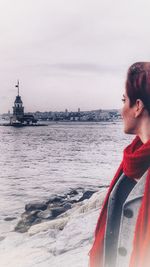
8,219
37,212
87,195
35,206
46,214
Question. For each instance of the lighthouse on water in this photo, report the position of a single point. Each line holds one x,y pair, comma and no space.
19,118
18,109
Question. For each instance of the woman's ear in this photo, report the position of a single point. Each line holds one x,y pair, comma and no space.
139,107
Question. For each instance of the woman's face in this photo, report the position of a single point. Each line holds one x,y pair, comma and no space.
128,116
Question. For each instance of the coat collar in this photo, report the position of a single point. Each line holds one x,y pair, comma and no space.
138,190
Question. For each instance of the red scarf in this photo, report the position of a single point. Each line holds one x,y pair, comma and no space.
136,160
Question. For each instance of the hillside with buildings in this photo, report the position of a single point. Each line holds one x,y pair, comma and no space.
93,115
18,114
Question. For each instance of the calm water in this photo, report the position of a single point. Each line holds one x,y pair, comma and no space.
36,162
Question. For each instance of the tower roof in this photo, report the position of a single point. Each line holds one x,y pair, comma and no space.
18,99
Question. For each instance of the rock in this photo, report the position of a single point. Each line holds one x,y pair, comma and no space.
72,201
29,214
56,199
21,227
58,224
43,211
46,214
8,219
73,192
67,206
27,220
57,211
35,206
86,195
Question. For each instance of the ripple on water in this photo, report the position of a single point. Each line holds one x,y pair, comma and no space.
40,161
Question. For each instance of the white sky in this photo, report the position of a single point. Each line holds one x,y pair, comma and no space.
70,53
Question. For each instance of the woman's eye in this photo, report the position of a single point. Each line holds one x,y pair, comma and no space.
123,100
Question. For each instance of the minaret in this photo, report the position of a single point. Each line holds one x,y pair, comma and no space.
18,109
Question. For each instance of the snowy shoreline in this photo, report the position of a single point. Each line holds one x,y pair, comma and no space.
64,241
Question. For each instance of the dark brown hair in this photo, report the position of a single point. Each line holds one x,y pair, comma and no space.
138,84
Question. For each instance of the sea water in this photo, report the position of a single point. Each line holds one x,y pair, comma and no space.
36,162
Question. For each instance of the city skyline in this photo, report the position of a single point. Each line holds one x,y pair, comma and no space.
70,54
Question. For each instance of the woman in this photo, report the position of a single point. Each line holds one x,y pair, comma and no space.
122,235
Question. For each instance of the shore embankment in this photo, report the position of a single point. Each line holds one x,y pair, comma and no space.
38,212
61,241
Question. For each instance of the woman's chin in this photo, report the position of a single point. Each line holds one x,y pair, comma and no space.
128,131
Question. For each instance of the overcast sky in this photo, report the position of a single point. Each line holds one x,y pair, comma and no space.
70,53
